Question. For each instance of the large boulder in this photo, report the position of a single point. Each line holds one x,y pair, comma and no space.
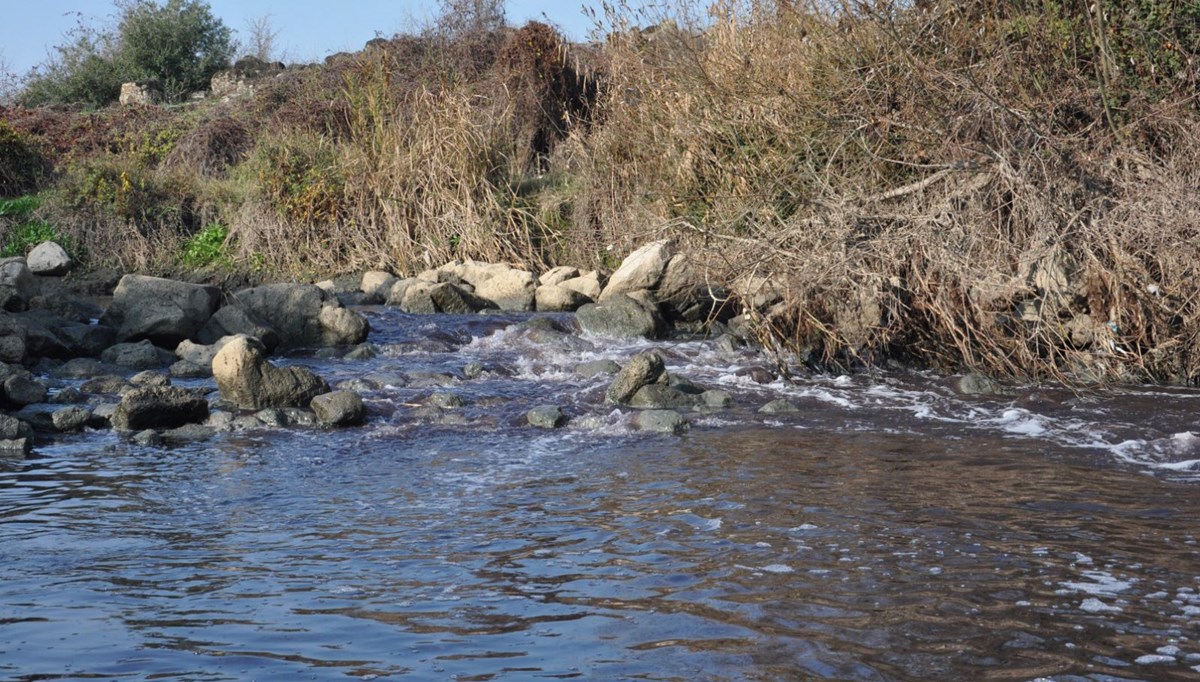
12,339
45,334
247,380
449,298
509,288
643,369
140,355
304,315
234,319
620,316
164,311
556,298
642,269
48,258
159,407
17,284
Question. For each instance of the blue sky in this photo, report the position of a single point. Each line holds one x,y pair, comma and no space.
308,29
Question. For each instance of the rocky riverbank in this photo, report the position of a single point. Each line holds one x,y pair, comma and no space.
68,364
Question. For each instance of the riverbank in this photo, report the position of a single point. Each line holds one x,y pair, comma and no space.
989,187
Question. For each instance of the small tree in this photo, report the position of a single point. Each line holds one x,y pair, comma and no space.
181,43
261,36
85,70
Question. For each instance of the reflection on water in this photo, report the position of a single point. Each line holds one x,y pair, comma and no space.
863,544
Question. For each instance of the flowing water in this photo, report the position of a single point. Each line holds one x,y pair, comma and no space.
889,530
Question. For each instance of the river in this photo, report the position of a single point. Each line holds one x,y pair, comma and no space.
890,529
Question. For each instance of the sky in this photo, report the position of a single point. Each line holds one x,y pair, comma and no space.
309,30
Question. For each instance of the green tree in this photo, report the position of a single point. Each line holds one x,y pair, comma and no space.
179,43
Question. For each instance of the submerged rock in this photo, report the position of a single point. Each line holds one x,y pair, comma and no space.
661,421
594,367
662,397
780,406
977,384
246,379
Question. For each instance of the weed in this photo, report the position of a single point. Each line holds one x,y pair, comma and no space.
206,247
26,235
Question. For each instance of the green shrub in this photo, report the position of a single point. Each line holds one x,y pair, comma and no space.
206,247
27,235
300,177
20,207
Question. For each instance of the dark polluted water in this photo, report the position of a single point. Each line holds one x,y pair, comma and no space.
888,530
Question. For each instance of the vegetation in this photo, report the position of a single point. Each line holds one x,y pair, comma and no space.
179,44
1000,185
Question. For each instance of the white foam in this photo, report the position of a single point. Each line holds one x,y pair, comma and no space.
1155,659
777,568
1093,605
1103,584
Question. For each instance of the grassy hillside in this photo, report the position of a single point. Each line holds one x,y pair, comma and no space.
1006,186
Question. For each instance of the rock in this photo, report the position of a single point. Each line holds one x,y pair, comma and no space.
619,316
146,438
363,351
231,320
554,298
395,294
510,289
49,335
759,375
102,415
159,407
977,384
80,368
19,390
716,398
17,284
660,421
594,367
546,417
662,397
642,269
162,310
286,417
445,401
188,433
247,380
68,306
104,384
448,298
12,341
473,370
589,284
642,369
69,419
412,295
140,355
48,259
67,396
558,275
780,406
304,315
16,446
201,354
150,378
377,284
339,408
186,369
12,428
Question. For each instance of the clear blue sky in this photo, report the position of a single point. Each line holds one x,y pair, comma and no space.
308,29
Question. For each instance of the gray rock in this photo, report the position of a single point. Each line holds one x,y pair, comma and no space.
589,284
304,315
104,384
780,406
67,396
642,269
661,421
102,415
12,428
201,353
150,378
509,288
140,355
80,368
642,369
159,407
716,398
558,275
49,335
620,316
448,298
188,433
220,420
594,367
554,298
231,320
377,284
49,259
17,284
286,417
69,419
339,408
415,297
363,351
12,343
19,389
146,438
445,401
162,310
395,294
546,417
473,370
661,397
16,446
247,380
977,384
68,306
185,369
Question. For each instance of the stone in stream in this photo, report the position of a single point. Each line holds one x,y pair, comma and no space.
446,401
17,284
49,259
20,389
592,368
546,417
780,406
162,310
304,315
662,397
589,284
376,284
620,316
977,384
140,355
557,275
230,320
449,298
12,428
642,269
286,416
717,399
661,421
246,379
68,419
339,408
159,407
555,298
641,370
150,377
186,369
